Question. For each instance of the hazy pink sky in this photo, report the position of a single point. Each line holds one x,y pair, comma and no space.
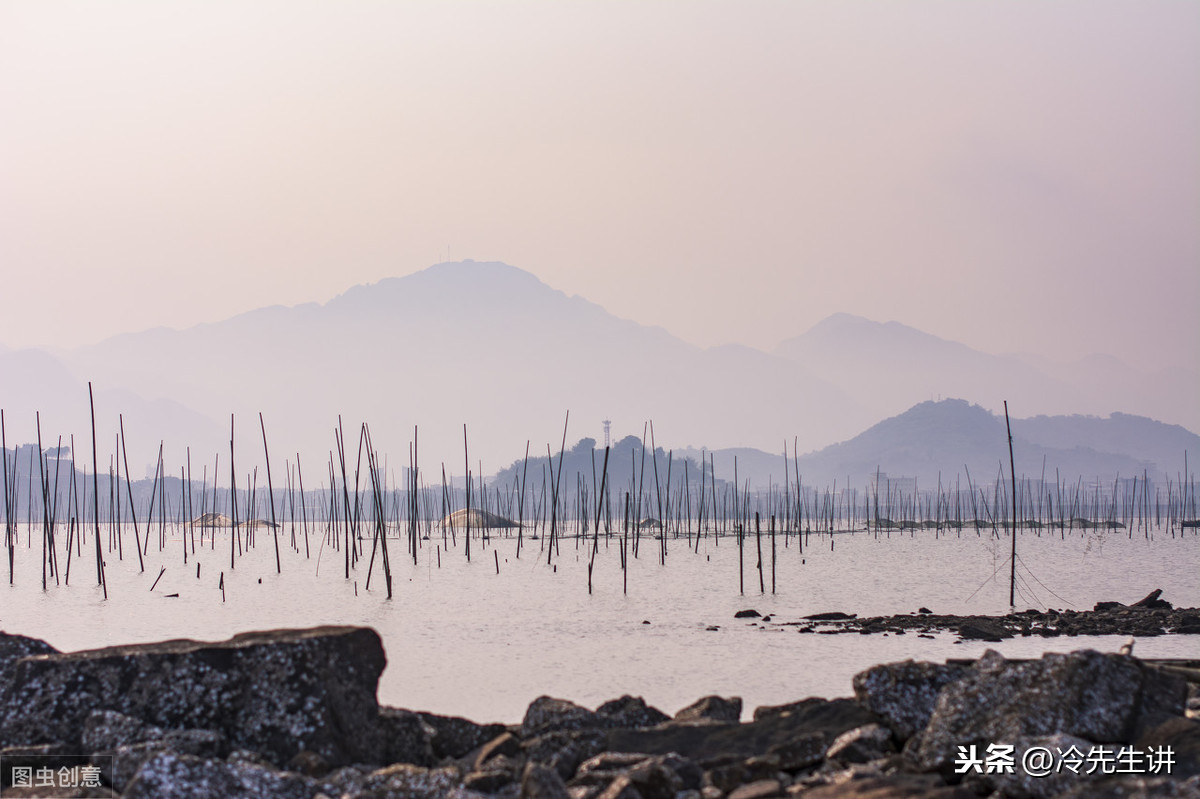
1014,175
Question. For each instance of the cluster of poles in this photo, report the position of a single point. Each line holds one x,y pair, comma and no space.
359,504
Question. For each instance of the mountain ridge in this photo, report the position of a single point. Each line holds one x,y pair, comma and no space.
493,346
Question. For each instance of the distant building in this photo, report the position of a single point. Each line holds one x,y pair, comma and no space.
882,484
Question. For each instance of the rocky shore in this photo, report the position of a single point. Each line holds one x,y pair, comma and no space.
1148,617
293,714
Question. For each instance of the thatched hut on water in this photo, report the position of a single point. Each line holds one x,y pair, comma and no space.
212,520
221,520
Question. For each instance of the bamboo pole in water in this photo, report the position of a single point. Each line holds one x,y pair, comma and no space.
773,554
758,543
625,550
182,503
467,472
521,499
596,530
1012,473
233,531
8,527
96,495
270,493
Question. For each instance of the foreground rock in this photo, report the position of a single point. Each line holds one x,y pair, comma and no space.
276,693
292,714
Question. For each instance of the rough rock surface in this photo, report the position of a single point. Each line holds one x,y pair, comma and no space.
276,693
1183,736
902,786
699,741
547,714
630,711
188,777
903,694
810,749
406,781
564,750
407,737
1107,618
712,708
542,782
1135,787
455,737
862,744
15,647
1100,697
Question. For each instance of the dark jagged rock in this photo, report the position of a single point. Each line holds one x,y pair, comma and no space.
547,714
903,694
747,614
108,729
542,782
900,786
621,787
1155,617
1135,787
1037,786
276,692
118,766
1151,600
564,750
505,744
982,629
406,781
1102,698
759,789
407,737
631,711
862,744
712,708
490,780
1182,735
15,647
189,777
455,737
625,749
651,776
654,778
310,764
773,711
701,741
801,751
120,744
345,780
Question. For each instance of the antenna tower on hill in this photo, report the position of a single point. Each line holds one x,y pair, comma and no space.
607,429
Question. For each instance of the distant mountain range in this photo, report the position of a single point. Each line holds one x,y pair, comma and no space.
905,365
951,438
491,346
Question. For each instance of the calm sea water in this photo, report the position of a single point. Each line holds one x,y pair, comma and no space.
462,639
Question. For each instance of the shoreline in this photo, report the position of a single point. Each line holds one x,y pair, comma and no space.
293,713
1149,617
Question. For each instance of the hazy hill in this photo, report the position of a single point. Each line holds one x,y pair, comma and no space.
954,436
890,365
491,346
482,343
35,382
